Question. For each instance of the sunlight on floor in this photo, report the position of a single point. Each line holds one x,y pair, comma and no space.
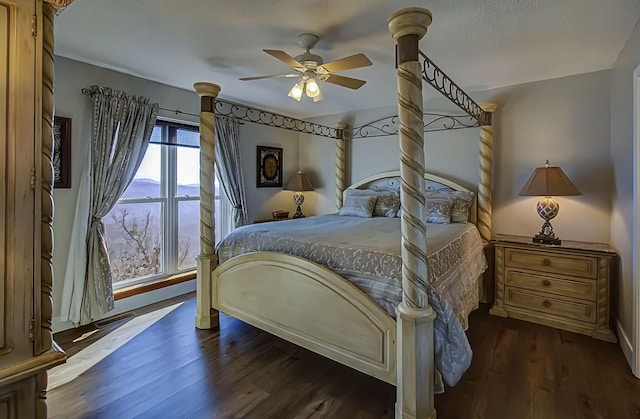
97,351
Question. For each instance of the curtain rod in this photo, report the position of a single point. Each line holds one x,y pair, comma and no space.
87,92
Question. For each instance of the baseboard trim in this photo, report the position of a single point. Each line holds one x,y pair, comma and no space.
625,344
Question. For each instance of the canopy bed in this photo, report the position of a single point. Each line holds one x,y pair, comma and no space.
309,304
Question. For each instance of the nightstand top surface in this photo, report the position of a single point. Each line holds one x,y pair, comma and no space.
566,244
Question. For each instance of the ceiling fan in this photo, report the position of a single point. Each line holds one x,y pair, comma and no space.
310,69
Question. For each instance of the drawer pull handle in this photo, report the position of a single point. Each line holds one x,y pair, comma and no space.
546,303
546,283
546,262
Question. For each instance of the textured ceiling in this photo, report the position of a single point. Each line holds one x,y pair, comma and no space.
481,44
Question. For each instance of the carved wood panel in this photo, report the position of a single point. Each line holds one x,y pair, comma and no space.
17,139
8,405
16,400
26,206
4,73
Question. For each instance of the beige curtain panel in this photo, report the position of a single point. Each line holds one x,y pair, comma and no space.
229,168
122,127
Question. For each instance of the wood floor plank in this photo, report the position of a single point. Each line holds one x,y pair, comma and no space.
171,370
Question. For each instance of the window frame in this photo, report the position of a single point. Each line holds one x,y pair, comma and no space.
169,207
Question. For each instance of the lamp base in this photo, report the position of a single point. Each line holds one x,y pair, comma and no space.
298,213
546,240
546,235
298,199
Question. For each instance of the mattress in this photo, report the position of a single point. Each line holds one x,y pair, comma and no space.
367,252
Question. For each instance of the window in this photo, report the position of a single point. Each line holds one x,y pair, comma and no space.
154,228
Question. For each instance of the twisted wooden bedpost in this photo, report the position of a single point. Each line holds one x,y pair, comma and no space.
340,161
414,315
206,315
486,169
43,289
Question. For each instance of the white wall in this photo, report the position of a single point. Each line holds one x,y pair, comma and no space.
564,120
262,201
623,161
71,77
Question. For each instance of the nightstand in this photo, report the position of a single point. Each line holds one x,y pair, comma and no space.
564,286
270,220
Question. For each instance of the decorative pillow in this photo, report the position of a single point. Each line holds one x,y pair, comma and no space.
358,206
387,203
439,209
463,201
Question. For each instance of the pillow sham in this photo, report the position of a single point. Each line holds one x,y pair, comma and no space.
387,202
439,209
358,206
463,200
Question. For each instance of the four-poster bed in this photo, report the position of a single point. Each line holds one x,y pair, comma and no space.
310,305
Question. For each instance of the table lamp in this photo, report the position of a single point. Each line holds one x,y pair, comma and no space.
547,182
299,183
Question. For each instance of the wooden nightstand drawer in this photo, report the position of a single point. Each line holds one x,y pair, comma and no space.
577,310
583,266
564,286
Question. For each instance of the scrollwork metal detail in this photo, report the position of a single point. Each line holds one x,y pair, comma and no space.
432,122
379,128
259,116
437,78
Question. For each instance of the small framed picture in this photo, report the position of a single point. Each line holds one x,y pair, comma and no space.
269,167
61,152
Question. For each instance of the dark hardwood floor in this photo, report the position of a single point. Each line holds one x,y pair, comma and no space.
171,370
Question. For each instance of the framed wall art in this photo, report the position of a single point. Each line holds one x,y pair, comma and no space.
61,152
269,167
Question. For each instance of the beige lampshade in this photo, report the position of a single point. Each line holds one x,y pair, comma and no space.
549,181
299,182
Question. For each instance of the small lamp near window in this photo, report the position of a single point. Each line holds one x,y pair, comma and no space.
547,182
299,183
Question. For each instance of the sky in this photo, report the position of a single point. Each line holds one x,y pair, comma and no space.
188,165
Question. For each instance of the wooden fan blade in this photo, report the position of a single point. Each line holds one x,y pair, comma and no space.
343,81
347,63
284,57
272,76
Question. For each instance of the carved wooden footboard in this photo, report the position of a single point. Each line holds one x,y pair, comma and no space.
309,305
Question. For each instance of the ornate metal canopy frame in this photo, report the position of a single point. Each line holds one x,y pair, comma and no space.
390,125
437,78
259,116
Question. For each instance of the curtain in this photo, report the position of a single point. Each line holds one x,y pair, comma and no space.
229,168
122,127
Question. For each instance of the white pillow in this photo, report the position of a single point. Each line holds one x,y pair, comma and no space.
358,206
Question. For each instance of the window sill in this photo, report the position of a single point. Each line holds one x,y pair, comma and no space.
153,285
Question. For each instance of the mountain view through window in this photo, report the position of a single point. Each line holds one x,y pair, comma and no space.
153,230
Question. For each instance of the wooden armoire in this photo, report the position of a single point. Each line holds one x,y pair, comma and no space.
27,349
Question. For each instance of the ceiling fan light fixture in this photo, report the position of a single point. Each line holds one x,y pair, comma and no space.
311,70
313,89
296,90
318,97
